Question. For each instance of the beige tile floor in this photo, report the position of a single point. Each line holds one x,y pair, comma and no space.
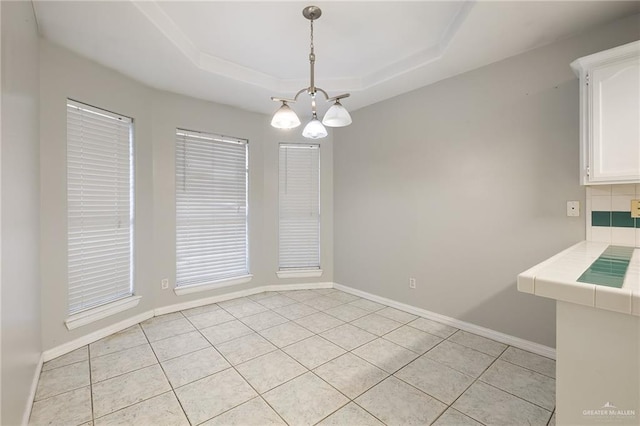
301,357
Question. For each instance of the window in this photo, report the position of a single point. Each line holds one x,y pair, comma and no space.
211,208
99,206
299,196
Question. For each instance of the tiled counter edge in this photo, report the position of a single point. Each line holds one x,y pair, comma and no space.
556,278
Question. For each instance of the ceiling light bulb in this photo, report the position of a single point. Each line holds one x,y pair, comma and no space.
337,116
285,118
314,129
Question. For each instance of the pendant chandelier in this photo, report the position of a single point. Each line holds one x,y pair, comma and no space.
336,116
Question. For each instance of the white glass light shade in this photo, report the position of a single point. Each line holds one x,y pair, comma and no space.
285,118
314,130
337,116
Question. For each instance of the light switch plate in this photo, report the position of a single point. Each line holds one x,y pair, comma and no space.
635,208
573,208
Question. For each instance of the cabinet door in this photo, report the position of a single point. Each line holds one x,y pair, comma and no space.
614,91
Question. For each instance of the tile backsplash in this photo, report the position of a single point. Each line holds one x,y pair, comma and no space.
609,214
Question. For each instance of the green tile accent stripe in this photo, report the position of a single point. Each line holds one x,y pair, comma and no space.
617,219
601,218
622,219
609,269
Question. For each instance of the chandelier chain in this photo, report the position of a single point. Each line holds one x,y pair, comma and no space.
311,36
312,60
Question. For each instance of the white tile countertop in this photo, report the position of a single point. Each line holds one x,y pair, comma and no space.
557,278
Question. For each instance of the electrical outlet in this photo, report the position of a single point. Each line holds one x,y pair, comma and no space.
573,208
412,283
165,283
635,208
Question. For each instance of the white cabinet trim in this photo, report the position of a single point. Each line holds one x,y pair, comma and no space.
607,112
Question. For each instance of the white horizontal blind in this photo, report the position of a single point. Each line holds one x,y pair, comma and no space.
299,200
99,206
211,207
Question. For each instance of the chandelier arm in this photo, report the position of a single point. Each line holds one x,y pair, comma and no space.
306,89
326,96
337,98
274,99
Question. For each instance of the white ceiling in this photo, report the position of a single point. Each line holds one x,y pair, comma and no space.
242,53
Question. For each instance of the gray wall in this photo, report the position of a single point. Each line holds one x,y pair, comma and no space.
463,184
62,76
156,115
20,190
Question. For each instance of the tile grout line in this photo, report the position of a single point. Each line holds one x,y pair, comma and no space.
119,350
420,390
160,363
391,374
495,358
122,374
291,379
501,353
93,417
178,356
370,413
137,369
516,396
174,388
471,384
131,405
353,400
526,368
388,375
462,413
495,387
59,393
503,390
129,371
165,375
315,374
62,366
259,395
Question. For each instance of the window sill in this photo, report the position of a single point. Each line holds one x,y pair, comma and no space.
299,273
100,312
195,288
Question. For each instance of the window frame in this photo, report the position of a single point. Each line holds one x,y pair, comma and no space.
85,138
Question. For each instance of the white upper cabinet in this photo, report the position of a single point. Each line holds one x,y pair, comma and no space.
610,115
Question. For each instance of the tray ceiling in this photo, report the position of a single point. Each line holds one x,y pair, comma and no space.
241,53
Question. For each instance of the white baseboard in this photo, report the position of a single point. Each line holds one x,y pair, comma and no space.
517,342
32,391
52,353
